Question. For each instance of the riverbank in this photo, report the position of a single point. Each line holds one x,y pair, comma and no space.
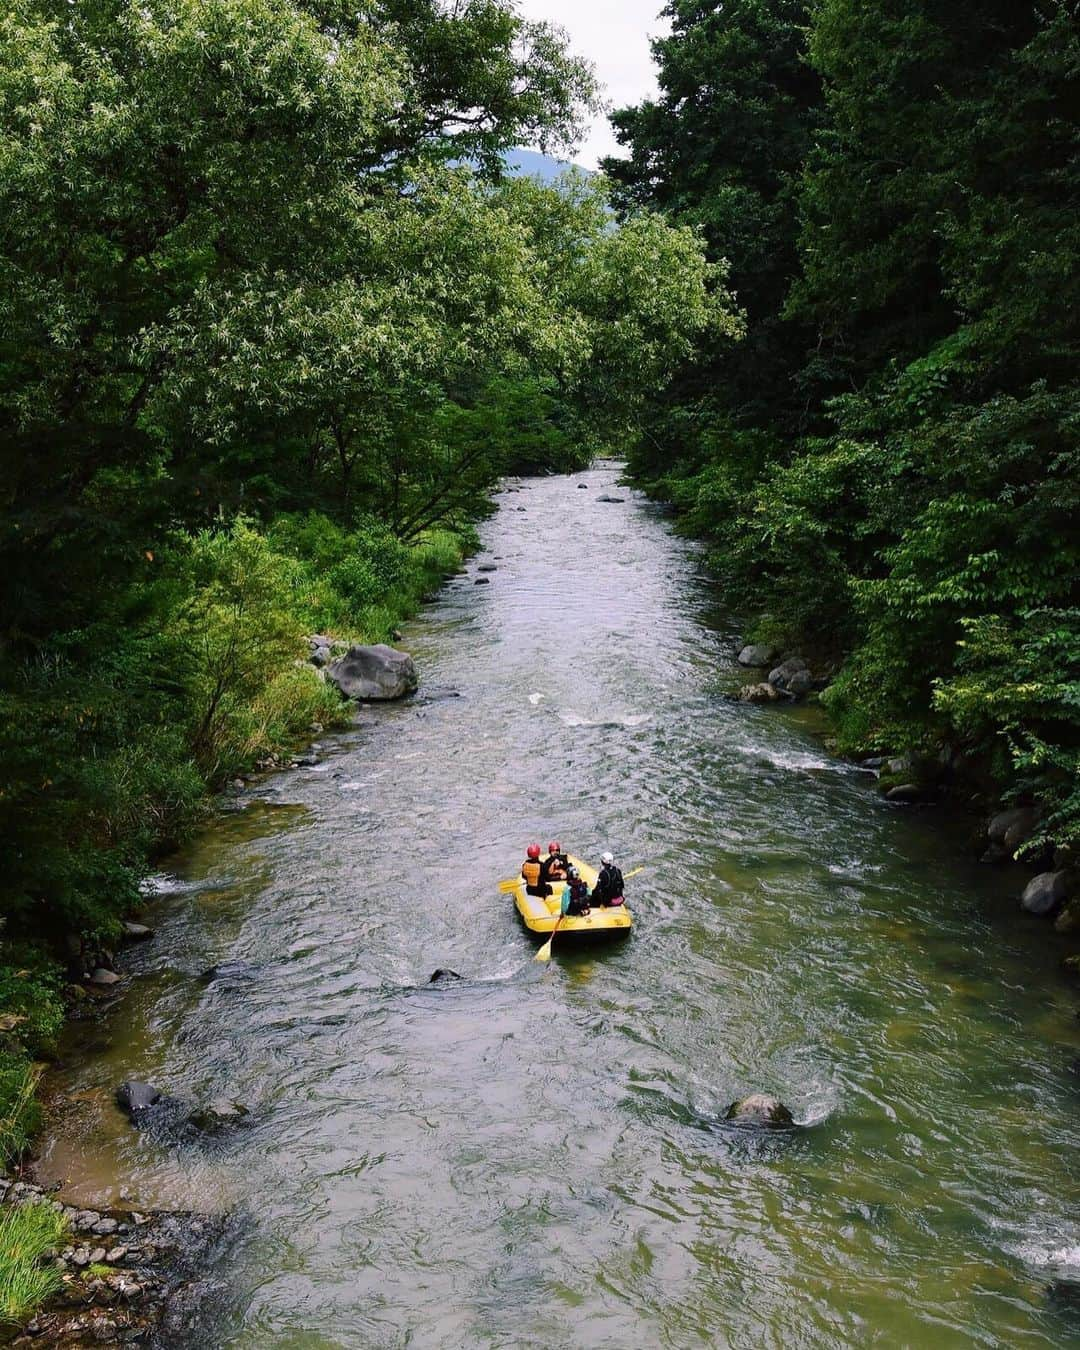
115,1275
1005,828
253,692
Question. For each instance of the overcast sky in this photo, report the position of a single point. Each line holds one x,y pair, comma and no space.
614,36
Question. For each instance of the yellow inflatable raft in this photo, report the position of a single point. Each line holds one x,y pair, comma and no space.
539,915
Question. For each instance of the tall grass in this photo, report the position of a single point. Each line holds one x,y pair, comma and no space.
28,1234
19,1110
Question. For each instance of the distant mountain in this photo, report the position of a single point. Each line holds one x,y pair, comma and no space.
532,164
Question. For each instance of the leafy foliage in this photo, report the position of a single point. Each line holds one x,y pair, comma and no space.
272,323
920,510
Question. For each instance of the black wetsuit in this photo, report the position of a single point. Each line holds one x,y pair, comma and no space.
609,885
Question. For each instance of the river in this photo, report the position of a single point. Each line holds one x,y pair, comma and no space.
531,1157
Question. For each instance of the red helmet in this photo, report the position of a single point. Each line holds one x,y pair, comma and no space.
533,851
554,846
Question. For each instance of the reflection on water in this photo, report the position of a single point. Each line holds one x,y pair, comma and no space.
532,1156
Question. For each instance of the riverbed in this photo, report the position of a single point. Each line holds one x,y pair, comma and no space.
532,1156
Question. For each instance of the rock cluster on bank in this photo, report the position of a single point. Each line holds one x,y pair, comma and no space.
127,1277
788,680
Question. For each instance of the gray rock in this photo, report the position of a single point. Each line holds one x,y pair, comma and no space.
757,654
116,1254
905,792
442,976
872,762
487,567
583,485
759,693
1068,921
133,1097
521,508
320,657
760,1111
86,1218
318,640
607,497
899,764
1020,821
800,683
374,673
787,670
81,1256
137,932
482,581
104,977
1045,894
105,1227
97,1256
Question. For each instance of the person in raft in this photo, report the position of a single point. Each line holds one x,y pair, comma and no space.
575,897
532,872
554,866
609,883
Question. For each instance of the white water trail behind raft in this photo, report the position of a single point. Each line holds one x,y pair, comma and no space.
531,1157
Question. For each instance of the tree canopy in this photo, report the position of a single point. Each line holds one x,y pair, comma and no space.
903,183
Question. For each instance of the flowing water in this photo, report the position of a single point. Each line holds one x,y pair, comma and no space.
532,1156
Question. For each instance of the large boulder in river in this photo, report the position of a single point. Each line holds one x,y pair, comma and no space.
760,1111
1013,828
133,1097
374,673
757,654
1045,894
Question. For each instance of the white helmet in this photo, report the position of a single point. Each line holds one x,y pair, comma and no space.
607,859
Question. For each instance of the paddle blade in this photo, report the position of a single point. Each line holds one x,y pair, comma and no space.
544,954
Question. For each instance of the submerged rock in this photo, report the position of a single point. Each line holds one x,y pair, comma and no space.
219,1116
482,581
442,976
608,497
760,1111
230,970
374,673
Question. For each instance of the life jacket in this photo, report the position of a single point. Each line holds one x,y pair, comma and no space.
610,882
530,870
579,895
554,867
